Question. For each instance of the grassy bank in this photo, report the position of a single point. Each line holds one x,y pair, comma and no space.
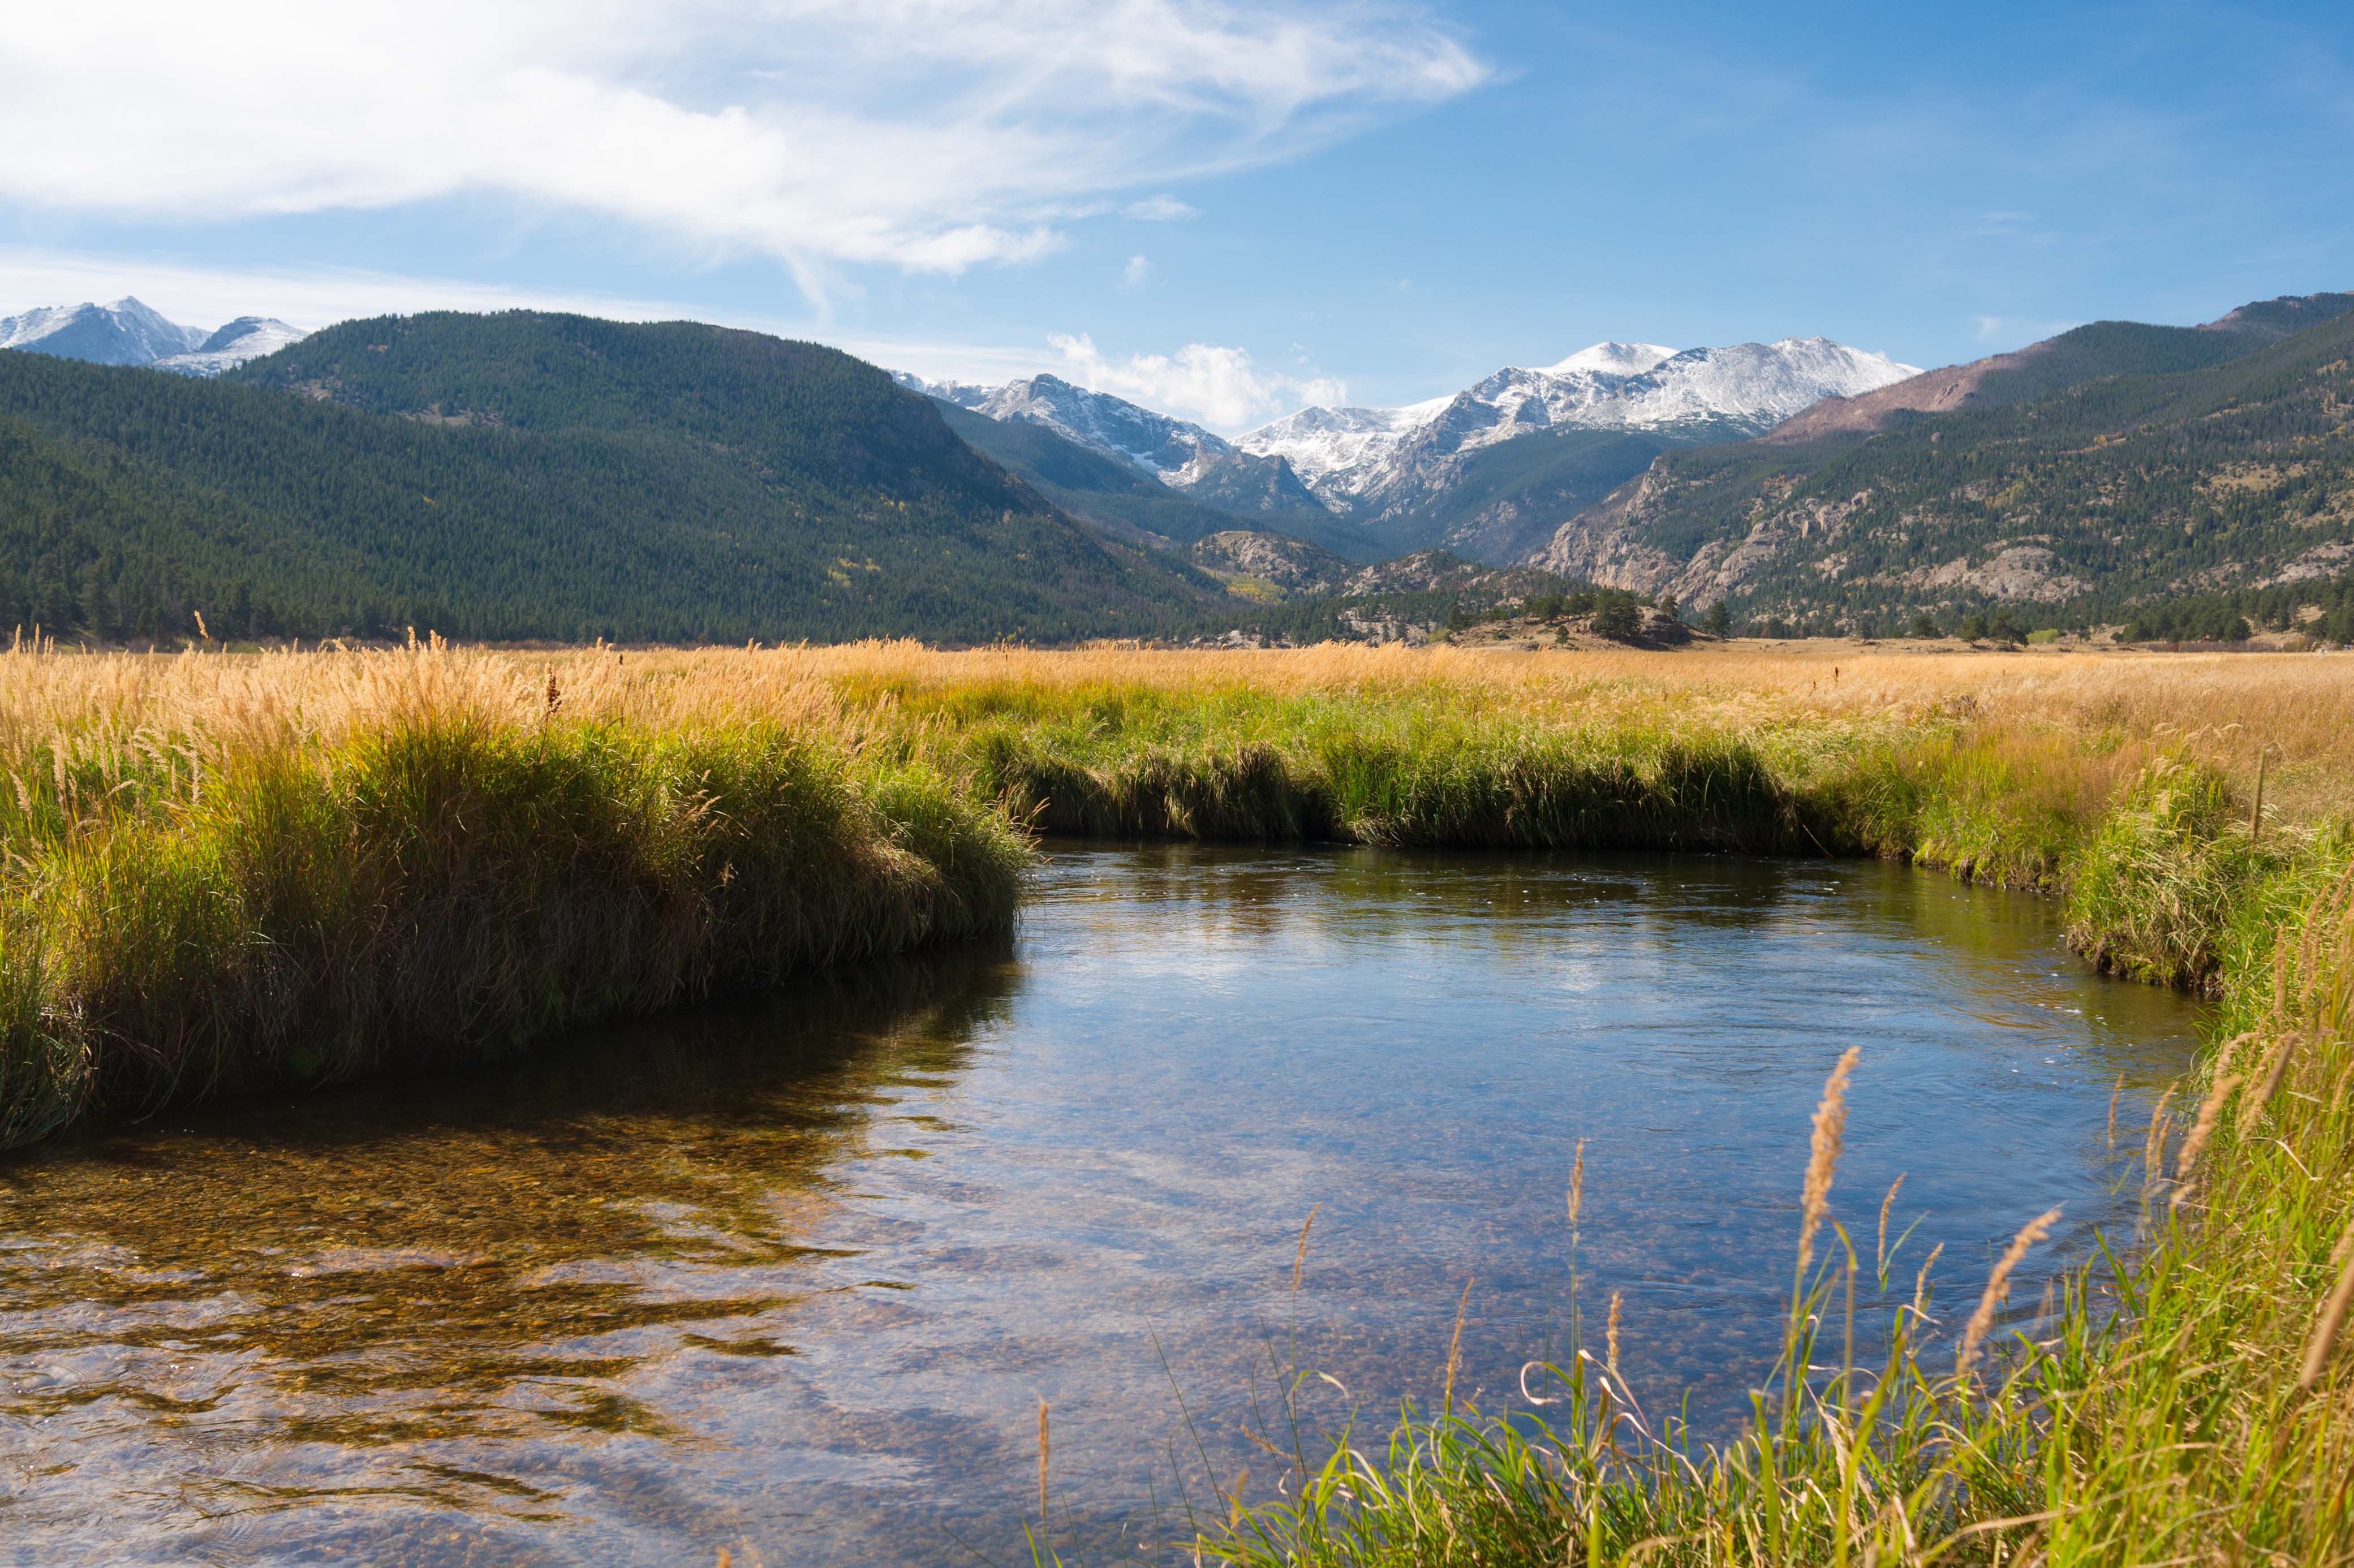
414,859
227,871
2060,779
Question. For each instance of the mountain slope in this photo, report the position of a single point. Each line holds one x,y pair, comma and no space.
1036,432
1503,501
2074,357
525,475
1085,483
2081,501
1178,454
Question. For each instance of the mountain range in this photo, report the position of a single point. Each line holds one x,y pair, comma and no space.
2112,466
528,475
130,333
532,476
1371,483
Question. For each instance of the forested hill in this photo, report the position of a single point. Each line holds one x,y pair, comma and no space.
2070,505
525,475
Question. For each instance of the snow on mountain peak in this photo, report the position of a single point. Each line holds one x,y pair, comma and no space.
247,337
131,332
1742,390
1614,359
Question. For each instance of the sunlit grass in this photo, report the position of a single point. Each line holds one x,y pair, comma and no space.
283,868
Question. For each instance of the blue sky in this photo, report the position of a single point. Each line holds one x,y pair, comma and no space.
1220,210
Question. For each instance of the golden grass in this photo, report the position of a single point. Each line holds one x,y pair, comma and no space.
2221,709
221,873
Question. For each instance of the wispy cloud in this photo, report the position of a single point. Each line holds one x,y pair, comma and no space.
930,135
1159,209
1136,274
1219,386
2015,331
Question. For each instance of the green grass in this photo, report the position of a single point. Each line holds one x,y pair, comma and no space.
447,890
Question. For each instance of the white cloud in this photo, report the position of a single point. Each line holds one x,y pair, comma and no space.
1219,386
1159,209
925,134
2018,330
1137,273
308,297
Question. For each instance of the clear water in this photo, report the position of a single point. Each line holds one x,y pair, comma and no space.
792,1280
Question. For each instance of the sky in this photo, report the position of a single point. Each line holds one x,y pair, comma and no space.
1225,211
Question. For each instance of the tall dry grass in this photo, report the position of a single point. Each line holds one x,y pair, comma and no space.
226,873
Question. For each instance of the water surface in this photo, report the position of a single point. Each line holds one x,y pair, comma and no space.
791,1278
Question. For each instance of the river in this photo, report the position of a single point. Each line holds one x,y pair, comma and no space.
792,1278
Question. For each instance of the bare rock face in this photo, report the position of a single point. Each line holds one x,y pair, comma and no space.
1931,392
1294,566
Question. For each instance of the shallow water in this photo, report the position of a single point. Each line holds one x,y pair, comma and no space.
792,1280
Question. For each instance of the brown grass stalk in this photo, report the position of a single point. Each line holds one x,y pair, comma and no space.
1045,1446
1577,1184
2186,1163
1823,1154
1455,1348
1997,1289
2332,1321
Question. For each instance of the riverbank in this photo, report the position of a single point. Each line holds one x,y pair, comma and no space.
224,876
230,870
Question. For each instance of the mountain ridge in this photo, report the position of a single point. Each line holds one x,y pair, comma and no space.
1376,459
2111,465
523,475
1366,482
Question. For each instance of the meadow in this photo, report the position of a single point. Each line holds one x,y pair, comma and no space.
232,871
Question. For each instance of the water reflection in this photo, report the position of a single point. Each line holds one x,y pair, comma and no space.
789,1278
492,1258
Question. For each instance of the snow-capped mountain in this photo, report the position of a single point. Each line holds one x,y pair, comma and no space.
1163,447
124,333
1177,453
1348,456
130,333
247,337
1330,448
